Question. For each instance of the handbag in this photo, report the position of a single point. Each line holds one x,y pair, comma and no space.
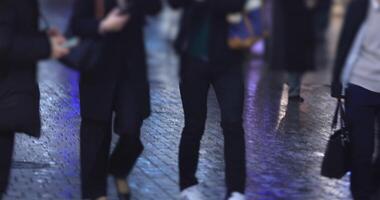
337,160
87,54
245,27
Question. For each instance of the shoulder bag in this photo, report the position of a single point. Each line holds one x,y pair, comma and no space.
86,55
337,160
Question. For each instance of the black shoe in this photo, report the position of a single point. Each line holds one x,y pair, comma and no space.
297,99
123,195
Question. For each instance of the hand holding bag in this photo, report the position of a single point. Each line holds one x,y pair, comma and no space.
86,55
337,160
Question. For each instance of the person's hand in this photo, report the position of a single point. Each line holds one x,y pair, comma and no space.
114,22
57,51
53,32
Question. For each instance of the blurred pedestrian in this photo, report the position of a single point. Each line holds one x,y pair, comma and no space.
207,60
22,45
292,42
322,18
357,78
118,84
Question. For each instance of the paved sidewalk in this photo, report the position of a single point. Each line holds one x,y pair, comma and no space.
285,141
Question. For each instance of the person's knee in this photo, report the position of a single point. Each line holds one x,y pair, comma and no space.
232,126
139,148
361,156
89,124
132,141
194,128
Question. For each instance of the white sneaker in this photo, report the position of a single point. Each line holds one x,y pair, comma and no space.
237,196
191,193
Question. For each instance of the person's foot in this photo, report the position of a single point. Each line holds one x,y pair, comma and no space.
297,99
237,196
123,190
191,193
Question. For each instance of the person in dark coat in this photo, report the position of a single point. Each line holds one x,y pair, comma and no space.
356,79
117,85
207,60
292,42
21,46
322,18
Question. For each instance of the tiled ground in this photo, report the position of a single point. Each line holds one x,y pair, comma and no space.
285,141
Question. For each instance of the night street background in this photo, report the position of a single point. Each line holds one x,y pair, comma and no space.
285,141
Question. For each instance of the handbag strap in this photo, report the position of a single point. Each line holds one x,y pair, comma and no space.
340,114
99,9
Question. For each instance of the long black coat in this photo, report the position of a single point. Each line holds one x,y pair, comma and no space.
193,14
292,36
21,46
355,16
124,59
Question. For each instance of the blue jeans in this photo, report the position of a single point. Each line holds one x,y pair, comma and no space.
294,83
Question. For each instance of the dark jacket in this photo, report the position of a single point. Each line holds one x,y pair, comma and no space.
355,16
323,5
217,10
21,46
123,59
292,36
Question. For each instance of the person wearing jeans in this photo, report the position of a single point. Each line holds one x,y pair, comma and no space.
322,18
362,106
292,42
356,79
294,83
206,60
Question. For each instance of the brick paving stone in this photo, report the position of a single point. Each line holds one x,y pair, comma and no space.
285,141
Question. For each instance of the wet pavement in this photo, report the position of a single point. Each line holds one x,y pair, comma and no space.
285,141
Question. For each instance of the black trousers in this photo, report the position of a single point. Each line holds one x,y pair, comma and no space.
228,83
363,111
96,161
6,152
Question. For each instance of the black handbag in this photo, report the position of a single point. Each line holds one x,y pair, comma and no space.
337,160
87,54
20,112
